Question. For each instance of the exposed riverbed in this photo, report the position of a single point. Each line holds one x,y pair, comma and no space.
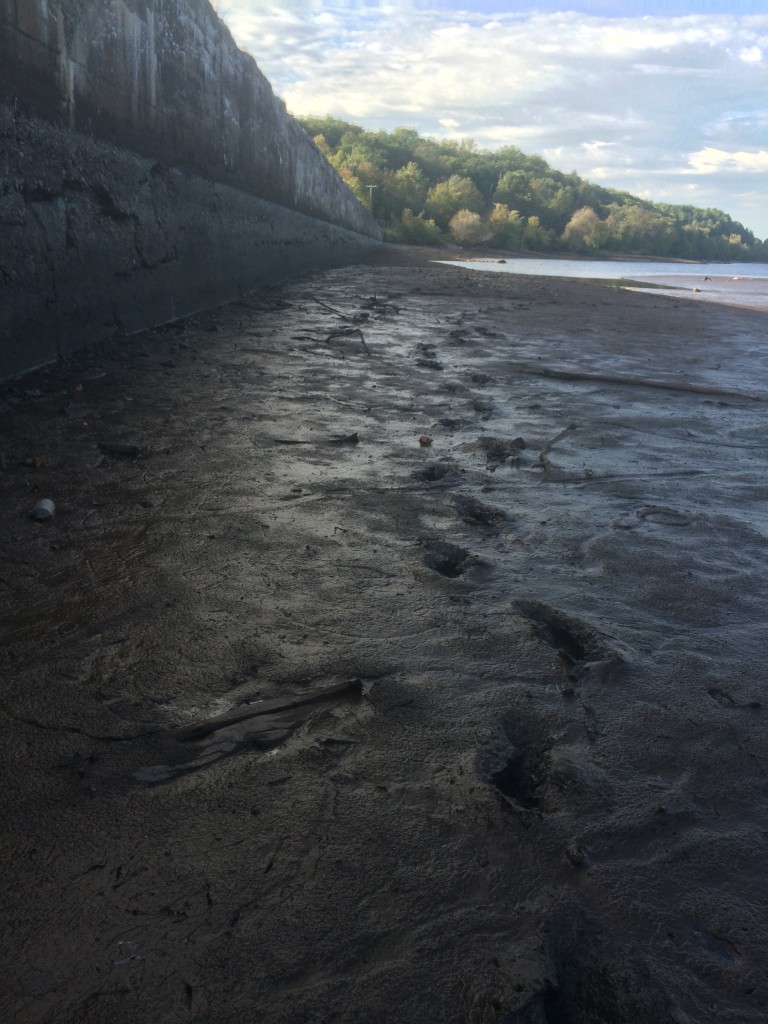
529,516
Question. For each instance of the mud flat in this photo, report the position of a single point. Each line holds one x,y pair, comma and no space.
395,653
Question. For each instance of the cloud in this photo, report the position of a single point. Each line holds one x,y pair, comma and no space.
628,100
712,161
751,55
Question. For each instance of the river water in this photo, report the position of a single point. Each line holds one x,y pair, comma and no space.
734,284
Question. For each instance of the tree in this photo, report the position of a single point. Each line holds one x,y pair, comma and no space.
448,197
637,229
467,228
536,237
506,227
410,185
585,231
413,230
524,201
514,190
354,183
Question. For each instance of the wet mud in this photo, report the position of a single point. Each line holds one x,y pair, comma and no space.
308,719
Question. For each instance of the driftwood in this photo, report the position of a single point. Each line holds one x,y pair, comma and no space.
268,707
643,382
347,332
336,439
336,312
342,332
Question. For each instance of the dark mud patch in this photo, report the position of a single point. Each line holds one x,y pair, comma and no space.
499,450
452,422
448,559
264,725
478,513
600,979
585,653
436,471
593,978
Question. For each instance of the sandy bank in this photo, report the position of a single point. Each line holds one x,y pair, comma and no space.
546,802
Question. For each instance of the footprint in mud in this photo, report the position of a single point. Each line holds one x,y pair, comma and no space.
499,450
448,559
459,337
477,513
482,407
436,471
721,697
598,978
663,515
593,977
726,700
452,422
517,763
586,654
522,771
533,773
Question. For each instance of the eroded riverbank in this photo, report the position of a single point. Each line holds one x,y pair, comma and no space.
550,791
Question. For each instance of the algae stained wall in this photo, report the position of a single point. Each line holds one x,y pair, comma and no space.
146,170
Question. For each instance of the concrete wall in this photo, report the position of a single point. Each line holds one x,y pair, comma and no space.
146,170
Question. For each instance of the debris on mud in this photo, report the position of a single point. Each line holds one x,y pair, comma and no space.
478,513
499,450
268,707
121,449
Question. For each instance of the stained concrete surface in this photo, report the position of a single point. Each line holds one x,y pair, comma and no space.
164,79
147,171
547,804
97,241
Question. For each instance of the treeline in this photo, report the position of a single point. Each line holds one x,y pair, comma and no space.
426,192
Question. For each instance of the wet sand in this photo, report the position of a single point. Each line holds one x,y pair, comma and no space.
510,764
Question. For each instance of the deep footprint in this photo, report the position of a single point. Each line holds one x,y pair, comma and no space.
477,513
448,559
435,471
518,766
583,650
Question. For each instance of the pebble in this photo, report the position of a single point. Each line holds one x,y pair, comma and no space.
43,510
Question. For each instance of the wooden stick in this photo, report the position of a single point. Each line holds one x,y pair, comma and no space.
267,707
643,382
330,309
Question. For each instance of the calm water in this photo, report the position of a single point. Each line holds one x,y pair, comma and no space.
735,284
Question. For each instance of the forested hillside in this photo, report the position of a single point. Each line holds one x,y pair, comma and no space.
426,192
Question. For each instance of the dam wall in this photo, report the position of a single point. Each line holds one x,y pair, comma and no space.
147,170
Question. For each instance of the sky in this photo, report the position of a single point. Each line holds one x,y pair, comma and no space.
668,101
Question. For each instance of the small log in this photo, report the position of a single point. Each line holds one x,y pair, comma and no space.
268,707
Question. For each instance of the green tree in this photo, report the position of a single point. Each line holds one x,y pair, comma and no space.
536,237
446,198
410,185
435,180
506,227
413,230
514,190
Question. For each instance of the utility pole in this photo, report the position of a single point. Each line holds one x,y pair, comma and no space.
370,193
